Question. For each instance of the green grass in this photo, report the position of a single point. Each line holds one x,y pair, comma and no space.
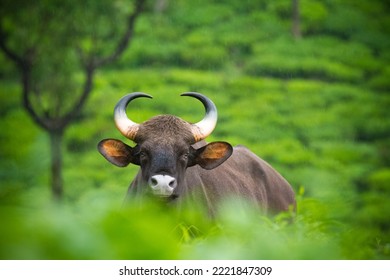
97,228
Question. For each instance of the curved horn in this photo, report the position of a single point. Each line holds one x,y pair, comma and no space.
202,129
126,126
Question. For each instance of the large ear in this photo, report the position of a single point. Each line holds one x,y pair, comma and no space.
211,155
117,152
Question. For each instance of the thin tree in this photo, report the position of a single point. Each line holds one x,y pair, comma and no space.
296,20
57,46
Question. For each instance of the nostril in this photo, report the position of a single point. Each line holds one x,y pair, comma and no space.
172,183
153,181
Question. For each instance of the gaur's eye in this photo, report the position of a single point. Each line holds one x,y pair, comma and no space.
143,155
185,156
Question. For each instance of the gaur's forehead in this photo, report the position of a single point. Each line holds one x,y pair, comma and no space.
157,146
165,129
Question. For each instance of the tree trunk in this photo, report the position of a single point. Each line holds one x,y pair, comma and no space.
56,164
160,6
296,20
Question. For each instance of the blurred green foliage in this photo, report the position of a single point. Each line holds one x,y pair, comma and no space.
317,109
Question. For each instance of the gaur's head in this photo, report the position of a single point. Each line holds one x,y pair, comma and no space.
164,146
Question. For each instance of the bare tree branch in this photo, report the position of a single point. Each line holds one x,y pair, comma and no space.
27,104
91,64
23,62
79,103
128,35
3,45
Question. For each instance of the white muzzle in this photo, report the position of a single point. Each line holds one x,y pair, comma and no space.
162,185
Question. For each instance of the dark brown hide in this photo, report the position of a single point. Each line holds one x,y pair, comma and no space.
243,175
165,128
